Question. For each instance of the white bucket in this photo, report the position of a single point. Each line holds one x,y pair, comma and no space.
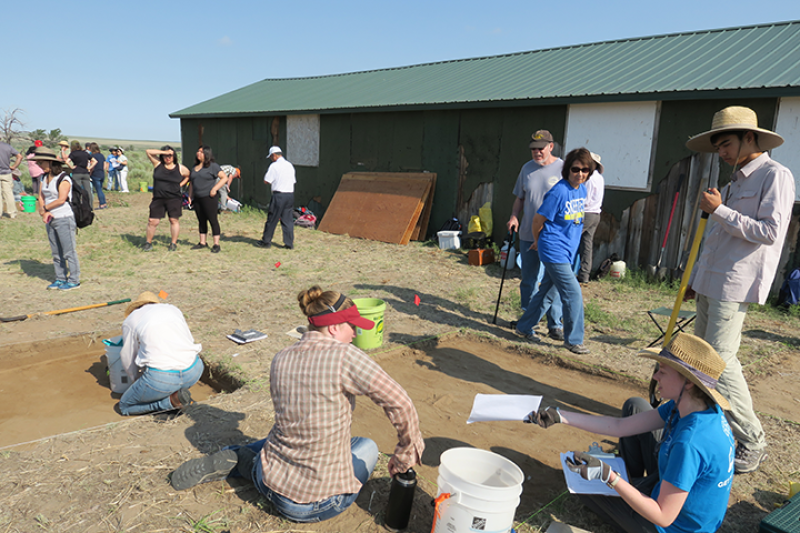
617,269
484,491
512,260
448,240
116,373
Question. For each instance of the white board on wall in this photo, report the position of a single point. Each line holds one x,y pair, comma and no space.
302,140
622,133
788,126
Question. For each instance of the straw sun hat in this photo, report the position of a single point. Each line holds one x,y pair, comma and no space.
43,153
734,118
145,298
694,359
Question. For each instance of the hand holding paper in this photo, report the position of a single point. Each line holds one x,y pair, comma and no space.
499,407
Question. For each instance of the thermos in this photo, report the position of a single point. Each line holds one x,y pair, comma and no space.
401,498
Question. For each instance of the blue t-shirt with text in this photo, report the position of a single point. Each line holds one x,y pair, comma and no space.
696,456
563,208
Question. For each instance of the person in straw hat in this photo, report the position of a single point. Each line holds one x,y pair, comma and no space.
55,192
748,222
309,467
159,356
685,447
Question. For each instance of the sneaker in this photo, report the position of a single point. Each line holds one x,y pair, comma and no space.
148,247
55,285
199,246
263,244
68,286
530,337
204,470
172,247
577,348
557,334
747,461
215,249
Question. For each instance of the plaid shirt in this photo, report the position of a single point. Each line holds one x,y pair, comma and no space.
313,385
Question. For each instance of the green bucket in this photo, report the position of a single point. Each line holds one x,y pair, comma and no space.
372,309
142,186
28,204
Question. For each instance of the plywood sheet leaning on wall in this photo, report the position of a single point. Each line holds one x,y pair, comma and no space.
390,207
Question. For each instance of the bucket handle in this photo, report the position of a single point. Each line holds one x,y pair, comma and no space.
436,513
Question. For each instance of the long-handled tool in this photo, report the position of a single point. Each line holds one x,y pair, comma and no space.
62,311
657,270
510,240
673,319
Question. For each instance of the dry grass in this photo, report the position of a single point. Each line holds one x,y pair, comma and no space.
114,478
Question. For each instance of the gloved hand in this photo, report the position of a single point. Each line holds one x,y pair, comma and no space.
589,466
546,417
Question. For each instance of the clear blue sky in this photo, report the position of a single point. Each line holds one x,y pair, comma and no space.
116,70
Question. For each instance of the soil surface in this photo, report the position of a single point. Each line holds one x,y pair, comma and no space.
92,470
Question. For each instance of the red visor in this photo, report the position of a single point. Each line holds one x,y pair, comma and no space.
349,315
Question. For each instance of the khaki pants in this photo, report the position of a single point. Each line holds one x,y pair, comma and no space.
720,324
7,192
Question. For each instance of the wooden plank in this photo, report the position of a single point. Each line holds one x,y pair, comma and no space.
378,206
425,217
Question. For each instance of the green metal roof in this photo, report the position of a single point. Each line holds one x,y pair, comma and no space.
680,65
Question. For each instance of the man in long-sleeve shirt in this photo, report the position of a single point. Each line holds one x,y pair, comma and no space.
749,220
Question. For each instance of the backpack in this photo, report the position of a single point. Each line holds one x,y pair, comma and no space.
451,224
790,290
605,266
80,203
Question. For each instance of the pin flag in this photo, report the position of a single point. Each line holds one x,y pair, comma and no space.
416,300
277,264
163,295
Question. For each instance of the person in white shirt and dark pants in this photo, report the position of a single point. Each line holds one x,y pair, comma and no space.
281,178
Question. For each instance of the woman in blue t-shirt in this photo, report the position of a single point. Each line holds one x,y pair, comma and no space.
557,228
689,463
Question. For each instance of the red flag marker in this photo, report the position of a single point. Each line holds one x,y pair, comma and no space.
163,295
416,300
277,264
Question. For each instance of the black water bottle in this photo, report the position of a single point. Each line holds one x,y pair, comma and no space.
401,498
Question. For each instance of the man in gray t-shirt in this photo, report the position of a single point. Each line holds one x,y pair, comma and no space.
6,179
536,178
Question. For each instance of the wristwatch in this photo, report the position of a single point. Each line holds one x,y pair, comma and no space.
612,484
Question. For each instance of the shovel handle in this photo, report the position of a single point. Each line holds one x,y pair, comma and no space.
698,236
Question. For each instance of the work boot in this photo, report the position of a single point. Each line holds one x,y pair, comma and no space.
579,349
747,461
204,470
181,399
247,459
557,334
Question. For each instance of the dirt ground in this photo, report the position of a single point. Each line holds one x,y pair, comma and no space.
103,472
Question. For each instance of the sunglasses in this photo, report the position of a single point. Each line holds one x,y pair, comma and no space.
575,170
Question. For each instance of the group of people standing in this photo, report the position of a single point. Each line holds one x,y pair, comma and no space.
207,182
682,455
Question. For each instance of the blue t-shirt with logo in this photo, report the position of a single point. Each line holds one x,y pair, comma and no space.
696,456
563,208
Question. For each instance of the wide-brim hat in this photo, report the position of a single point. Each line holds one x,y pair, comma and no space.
734,118
145,298
694,359
43,153
65,144
597,158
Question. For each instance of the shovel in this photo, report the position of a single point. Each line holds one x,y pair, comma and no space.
510,239
62,311
661,273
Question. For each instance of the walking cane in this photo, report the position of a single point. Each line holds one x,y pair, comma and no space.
510,239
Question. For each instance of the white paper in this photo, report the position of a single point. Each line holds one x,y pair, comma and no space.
577,485
496,407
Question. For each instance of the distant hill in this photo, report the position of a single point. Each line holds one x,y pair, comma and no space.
125,143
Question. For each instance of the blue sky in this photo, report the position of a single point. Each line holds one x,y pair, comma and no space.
116,70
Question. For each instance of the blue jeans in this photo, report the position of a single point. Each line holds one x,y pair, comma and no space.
530,281
150,393
61,234
559,280
98,188
365,456
113,180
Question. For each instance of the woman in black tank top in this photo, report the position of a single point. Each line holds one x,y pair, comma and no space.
168,178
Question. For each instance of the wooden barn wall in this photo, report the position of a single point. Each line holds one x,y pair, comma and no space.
477,154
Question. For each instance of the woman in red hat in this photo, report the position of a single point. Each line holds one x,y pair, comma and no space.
309,467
